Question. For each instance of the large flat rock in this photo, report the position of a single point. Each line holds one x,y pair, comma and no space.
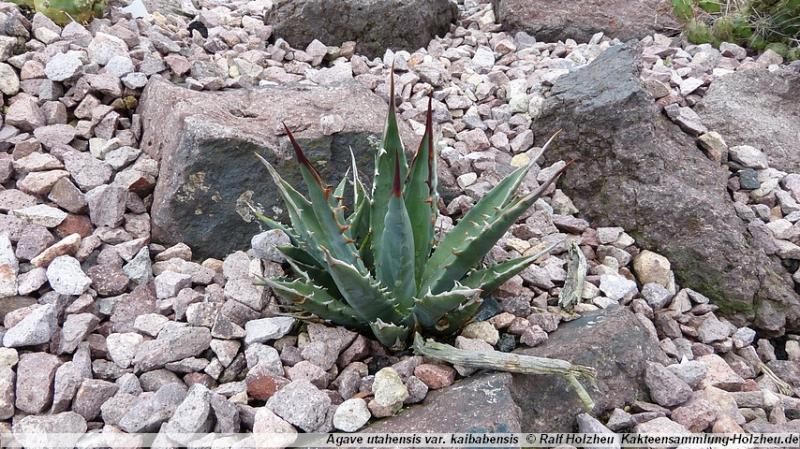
637,170
375,25
553,20
205,142
757,108
482,403
613,341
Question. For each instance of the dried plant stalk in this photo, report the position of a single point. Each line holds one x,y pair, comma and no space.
783,387
510,362
576,275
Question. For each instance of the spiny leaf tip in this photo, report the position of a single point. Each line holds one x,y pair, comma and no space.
301,157
397,188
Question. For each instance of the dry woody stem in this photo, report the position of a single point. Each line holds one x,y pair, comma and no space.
510,362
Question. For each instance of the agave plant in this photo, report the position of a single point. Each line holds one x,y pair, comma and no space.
380,269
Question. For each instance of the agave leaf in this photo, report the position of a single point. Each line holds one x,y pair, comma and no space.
368,298
338,192
488,279
301,214
383,181
298,255
337,201
390,335
471,224
305,265
335,232
422,198
431,308
394,265
476,246
455,320
312,273
268,222
274,224
359,191
292,199
359,221
365,251
314,299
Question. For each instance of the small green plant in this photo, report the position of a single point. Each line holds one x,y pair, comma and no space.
699,33
63,12
710,6
380,270
684,9
756,24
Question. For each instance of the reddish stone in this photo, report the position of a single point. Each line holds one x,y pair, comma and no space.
358,350
750,385
307,370
518,326
589,237
262,385
435,376
35,374
503,320
726,424
97,346
533,336
107,280
696,416
74,224
140,301
668,100
67,196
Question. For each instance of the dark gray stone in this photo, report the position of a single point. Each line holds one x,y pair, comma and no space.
637,170
485,404
613,342
206,141
375,25
748,179
554,20
757,108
